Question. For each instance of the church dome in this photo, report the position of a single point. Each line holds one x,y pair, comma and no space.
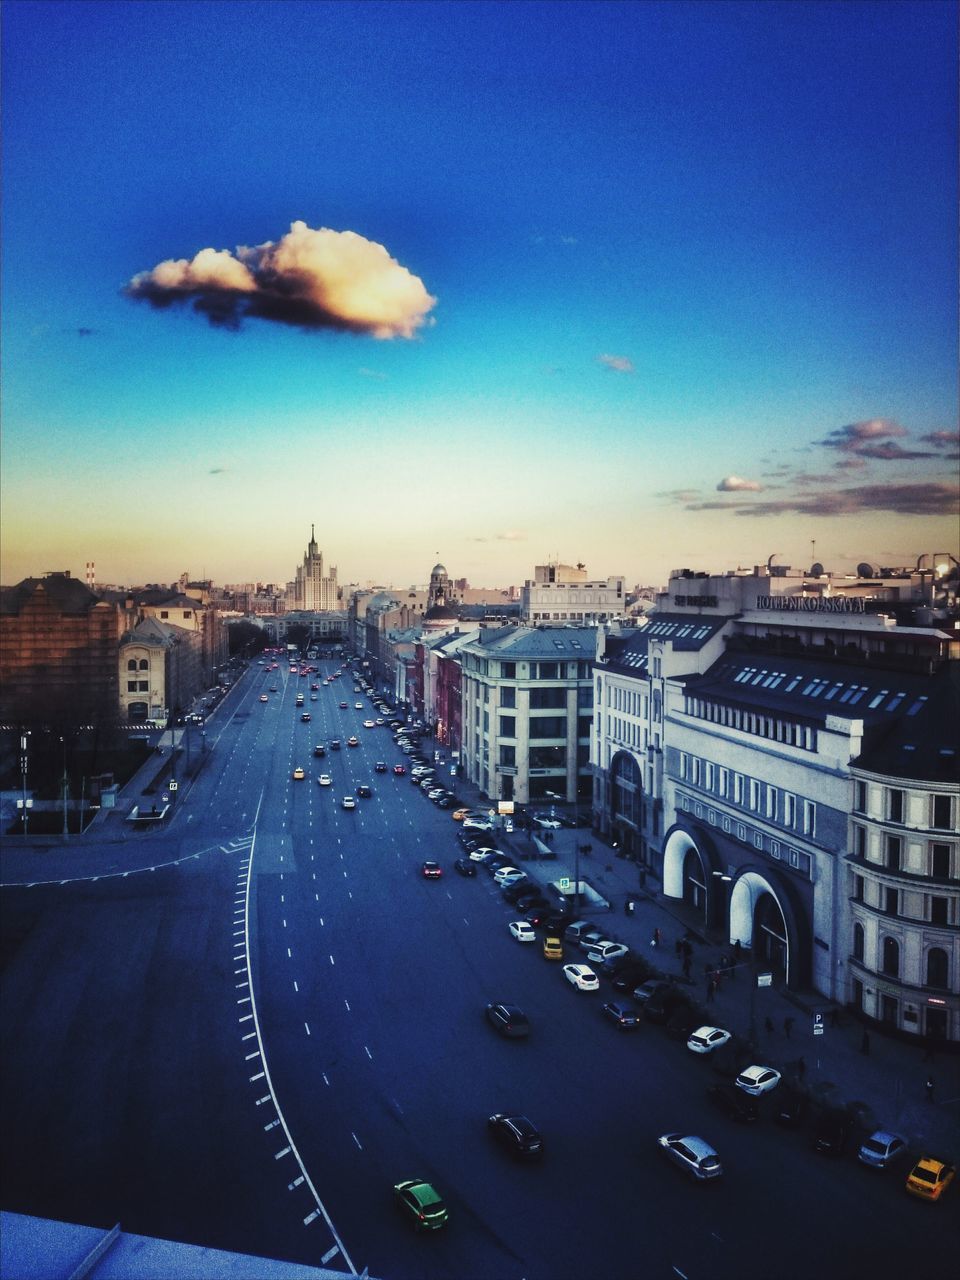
438,569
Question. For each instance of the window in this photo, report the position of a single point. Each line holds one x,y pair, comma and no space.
164,613
754,794
708,772
940,861
508,670
738,781
860,797
809,818
858,888
187,613
144,665
585,697
941,813
894,852
891,901
508,726
772,803
894,806
508,695
724,783
143,686
789,809
131,686
858,942
548,727
132,664
684,765
937,968
508,756
939,910
860,841
547,670
549,699
891,958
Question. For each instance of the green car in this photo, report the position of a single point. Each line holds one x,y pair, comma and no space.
418,1201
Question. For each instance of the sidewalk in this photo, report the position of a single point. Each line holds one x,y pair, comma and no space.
889,1078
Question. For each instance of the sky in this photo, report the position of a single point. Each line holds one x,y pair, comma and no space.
638,285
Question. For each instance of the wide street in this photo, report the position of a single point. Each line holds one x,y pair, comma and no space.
248,1045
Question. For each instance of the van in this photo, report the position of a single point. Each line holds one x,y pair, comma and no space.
574,932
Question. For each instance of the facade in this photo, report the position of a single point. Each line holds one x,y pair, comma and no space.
187,614
313,590
58,653
527,708
731,734
161,671
562,593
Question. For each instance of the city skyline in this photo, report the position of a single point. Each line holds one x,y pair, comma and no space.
515,282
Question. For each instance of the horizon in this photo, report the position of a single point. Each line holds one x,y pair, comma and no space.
645,284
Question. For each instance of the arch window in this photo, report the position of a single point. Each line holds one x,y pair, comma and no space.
937,966
858,942
132,664
144,664
891,958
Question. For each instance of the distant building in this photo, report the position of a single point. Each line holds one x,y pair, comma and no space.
161,671
562,593
313,590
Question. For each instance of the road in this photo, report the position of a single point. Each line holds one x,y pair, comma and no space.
248,1046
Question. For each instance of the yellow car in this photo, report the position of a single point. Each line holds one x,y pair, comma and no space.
552,948
458,815
298,774
929,1178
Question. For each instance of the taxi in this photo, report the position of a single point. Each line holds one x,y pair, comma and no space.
929,1178
298,774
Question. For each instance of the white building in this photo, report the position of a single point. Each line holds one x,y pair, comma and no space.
313,590
562,593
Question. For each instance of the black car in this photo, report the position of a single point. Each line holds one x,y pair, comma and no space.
664,1002
465,867
734,1102
627,974
832,1132
557,922
319,749
792,1106
508,1020
380,766
335,744
532,902
364,791
444,802
511,892
521,1138
621,1015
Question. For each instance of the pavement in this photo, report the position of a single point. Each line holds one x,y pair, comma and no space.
889,1077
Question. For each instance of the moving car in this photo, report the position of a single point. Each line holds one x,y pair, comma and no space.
298,774
606,953
734,1102
477,824
319,749
431,871
881,1149
348,802
583,978
343,706
358,706
706,1039
622,1015
929,1178
501,873
380,766
693,1155
353,742
522,931
264,698
399,770
508,1020
421,1204
516,1133
757,1080
325,780
545,823
364,791
552,948
305,717
334,744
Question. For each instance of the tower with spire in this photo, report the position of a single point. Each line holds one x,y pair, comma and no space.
314,590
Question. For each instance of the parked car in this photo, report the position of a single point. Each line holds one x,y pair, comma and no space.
792,1106
696,1157
606,953
757,1080
516,1133
734,1102
929,1178
465,867
508,1020
707,1039
522,931
583,978
621,1015
832,1131
882,1149
552,948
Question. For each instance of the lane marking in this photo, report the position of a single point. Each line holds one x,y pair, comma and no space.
310,1217
307,1025
295,987
368,1053
356,1140
280,1154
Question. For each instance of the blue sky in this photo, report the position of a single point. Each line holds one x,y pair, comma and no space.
694,270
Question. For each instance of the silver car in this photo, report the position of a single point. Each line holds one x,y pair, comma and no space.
693,1155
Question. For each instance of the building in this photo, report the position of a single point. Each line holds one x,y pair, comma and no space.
527,711
562,593
313,590
161,671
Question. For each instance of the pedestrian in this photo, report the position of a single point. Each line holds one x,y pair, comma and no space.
737,952
655,940
787,1027
768,1026
801,1068
724,962
929,1088
865,1044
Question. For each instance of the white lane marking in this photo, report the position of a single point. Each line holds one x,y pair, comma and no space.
239,985
368,1053
295,1183
310,1217
272,1125
284,924
321,920
244,1000
331,1253
325,1080
289,954
307,1025
316,898
255,1054
332,961
246,1017
258,1076
248,1036
347,1003
295,987
238,933
356,1140
280,1154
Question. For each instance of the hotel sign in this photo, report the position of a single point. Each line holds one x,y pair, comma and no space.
803,604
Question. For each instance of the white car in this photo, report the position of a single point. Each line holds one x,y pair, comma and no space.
757,1080
358,706
502,873
477,824
369,724
546,824
583,979
606,952
264,698
478,855
325,780
522,931
348,802
706,1039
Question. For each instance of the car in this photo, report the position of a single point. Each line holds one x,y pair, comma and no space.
741,1106
348,802
552,947
757,1080
557,921
522,931
534,900
314,686
369,724
482,850
380,766
334,744
664,1002
431,871
881,1149
545,823
273,688
421,1204
514,890
606,953
305,718
459,815
516,1133
353,742
399,770
582,977
343,706
791,1107
298,774
325,780
264,698
832,1131
379,720
696,1157
465,867
503,872
706,1039
627,974
536,916
358,706
320,750
313,697
444,802
477,824
435,793
929,1178
508,1020
364,790
622,1015
588,939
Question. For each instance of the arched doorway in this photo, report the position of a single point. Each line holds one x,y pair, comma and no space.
685,874
626,803
757,920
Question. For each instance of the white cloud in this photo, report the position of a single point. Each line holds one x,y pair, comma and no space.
734,484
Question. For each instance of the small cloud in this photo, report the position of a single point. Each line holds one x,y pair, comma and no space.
849,464
855,435
900,499
216,471
374,374
734,484
941,439
618,364
312,279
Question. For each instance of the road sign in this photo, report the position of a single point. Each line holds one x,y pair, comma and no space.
764,979
172,784
818,1024
564,884
818,1030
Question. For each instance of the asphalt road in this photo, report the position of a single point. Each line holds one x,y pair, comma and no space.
155,1086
